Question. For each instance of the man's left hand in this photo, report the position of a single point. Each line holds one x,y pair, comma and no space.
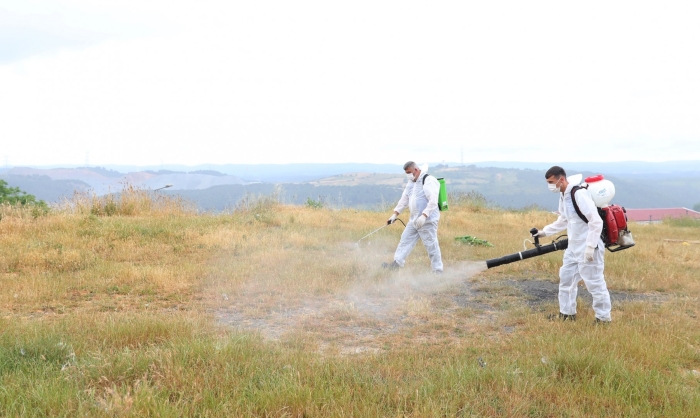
419,222
588,255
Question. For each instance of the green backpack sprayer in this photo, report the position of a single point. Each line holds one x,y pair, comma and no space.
442,206
442,195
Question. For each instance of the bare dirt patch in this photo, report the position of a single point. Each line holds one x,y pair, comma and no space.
399,309
539,292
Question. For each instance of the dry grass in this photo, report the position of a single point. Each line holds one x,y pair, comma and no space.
130,201
136,305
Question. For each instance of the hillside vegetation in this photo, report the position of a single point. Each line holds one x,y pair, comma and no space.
506,188
215,191
140,306
521,188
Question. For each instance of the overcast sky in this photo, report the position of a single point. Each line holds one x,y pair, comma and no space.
160,82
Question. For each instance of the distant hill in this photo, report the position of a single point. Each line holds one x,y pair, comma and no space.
505,187
295,173
518,188
221,198
626,169
44,188
101,180
267,173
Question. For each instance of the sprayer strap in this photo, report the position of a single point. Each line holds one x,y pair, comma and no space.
424,177
576,208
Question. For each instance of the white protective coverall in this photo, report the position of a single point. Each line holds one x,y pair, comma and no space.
420,199
575,268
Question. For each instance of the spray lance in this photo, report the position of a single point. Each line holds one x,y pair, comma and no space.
378,229
534,252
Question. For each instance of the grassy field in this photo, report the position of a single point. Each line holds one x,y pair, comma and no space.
142,307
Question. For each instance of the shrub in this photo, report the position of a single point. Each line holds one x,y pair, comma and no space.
472,200
314,204
260,208
131,201
15,202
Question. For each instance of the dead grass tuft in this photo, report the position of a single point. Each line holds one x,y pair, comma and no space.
130,201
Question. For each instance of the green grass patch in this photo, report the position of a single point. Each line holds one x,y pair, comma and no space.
686,222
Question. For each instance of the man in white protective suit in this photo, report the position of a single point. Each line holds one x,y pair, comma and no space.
421,198
583,258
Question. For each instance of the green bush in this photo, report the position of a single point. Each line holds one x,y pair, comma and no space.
315,204
13,199
14,196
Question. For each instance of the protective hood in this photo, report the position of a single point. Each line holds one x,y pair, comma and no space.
575,179
423,168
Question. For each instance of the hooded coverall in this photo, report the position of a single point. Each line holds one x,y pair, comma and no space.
420,198
575,268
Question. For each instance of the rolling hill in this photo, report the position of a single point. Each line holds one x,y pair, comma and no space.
216,191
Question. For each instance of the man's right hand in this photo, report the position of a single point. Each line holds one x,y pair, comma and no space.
539,233
392,219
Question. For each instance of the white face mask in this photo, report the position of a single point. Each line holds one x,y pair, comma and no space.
553,187
409,176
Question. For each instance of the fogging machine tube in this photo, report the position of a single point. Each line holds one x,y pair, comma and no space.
534,252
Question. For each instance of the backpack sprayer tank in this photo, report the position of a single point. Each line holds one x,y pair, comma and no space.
602,191
615,234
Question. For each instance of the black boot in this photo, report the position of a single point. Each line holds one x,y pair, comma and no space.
391,266
563,317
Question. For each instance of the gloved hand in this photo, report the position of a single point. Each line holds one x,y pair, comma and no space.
419,222
588,255
392,219
539,233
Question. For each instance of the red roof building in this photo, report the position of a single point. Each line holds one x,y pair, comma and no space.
656,215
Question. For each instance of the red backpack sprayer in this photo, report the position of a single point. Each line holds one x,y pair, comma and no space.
615,234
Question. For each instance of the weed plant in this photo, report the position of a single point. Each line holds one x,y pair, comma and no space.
136,305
